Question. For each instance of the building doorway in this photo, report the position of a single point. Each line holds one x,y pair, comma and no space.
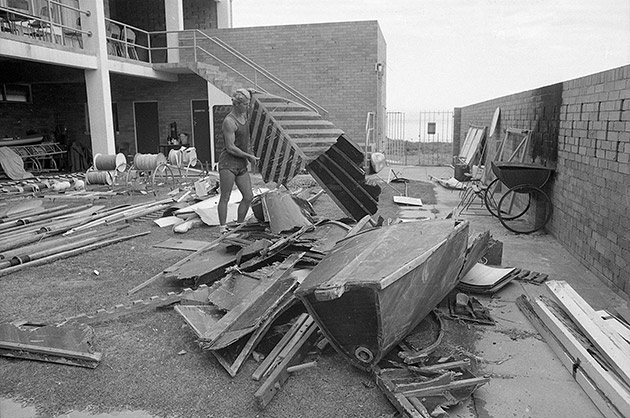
146,121
201,131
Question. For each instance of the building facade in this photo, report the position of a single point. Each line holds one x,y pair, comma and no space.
121,76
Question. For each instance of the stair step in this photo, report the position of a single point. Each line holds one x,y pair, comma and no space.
289,115
315,133
305,124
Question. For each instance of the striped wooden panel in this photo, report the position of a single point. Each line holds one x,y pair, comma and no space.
339,171
286,136
289,137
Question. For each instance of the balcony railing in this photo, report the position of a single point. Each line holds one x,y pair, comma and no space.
55,22
60,23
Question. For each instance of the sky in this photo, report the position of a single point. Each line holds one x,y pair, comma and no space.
443,54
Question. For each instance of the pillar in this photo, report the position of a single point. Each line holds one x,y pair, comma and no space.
97,83
174,13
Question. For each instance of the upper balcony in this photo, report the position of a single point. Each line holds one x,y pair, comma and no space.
67,33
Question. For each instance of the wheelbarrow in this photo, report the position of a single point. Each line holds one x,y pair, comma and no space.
509,197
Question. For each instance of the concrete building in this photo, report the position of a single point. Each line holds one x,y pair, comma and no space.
120,76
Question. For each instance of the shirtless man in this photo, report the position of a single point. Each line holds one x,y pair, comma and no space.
234,158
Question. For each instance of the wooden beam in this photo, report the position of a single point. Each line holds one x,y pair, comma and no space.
603,388
280,374
612,347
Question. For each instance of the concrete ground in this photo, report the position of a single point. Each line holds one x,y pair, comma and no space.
527,378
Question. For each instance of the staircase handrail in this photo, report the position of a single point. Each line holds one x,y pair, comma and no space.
263,71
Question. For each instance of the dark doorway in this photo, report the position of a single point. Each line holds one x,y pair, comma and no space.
147,127
201,130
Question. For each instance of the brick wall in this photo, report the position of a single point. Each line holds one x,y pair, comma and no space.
173,99
334,64
44,113
581,128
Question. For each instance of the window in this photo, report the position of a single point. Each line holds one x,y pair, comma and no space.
16,93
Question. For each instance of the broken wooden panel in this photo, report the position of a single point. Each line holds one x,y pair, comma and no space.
340,172
286,136
414,394
201,319
255,308
233,356
326,235
70,344
230,291
283,213
203,267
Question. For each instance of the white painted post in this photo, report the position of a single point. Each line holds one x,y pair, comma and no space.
97,84
174,11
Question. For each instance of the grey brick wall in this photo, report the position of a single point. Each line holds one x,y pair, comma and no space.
581,128
334,64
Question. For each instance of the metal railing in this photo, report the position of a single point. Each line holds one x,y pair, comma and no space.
196,38
130,42
49,25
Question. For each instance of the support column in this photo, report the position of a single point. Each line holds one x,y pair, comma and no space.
99,95
174,12
224,14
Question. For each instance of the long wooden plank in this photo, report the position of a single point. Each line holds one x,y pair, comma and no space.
609,394
612,347
266,363
284,351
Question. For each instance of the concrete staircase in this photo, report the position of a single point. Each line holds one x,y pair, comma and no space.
209,72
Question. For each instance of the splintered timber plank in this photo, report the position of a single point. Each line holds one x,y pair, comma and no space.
614,349
248,315
280,374
603,388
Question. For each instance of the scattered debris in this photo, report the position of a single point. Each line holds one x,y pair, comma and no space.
426,391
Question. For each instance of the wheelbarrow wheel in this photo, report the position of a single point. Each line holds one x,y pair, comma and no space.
533,221
493,195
